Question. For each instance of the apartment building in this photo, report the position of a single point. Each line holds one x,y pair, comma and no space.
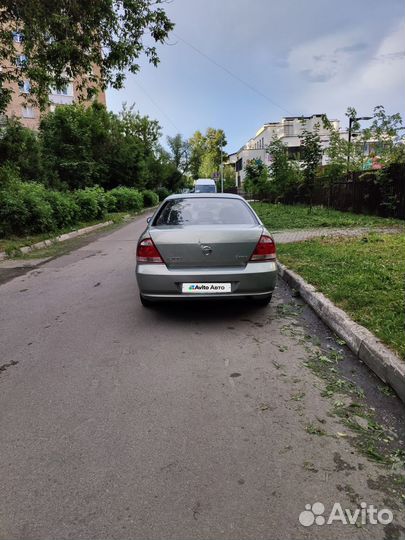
28,114
289,130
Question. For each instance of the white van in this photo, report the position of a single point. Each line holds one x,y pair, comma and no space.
205,185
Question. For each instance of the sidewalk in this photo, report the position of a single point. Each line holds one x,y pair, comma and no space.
299,235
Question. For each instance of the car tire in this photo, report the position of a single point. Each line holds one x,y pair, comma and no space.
263,301
145,302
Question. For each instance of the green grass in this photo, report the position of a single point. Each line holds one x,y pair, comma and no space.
10,244
277,217
364,276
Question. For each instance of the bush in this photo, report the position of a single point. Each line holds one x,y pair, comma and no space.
150,198
162,193
8,174
126,199
92,203
110,201
24,209
65,210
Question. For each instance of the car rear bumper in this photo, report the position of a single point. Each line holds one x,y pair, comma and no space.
156,281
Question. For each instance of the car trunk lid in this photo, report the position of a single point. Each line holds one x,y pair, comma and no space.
208,246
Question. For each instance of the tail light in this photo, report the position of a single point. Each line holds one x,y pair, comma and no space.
265,250
147,252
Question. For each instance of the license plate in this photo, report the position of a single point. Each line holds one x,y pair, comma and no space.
205,288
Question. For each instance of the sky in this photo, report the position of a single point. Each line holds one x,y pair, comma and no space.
237,64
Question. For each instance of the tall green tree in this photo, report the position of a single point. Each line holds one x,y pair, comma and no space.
284,173
180,152
69,138
311,157
64,40
197,150
21,148
87,146
134,124
257,177
206,152
385,131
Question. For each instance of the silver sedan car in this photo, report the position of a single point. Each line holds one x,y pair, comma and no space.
205,245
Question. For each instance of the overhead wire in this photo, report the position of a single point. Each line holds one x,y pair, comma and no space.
229,72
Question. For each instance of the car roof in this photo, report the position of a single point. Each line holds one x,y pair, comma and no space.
205,195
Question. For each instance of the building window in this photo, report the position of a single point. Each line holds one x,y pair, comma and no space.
66,90
28,112
18,37
62,91
288,130
294,153
24,87
21,60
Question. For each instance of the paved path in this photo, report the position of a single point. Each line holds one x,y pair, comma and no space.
176,423
285,237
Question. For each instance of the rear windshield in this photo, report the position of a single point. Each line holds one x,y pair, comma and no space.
205,211
204,188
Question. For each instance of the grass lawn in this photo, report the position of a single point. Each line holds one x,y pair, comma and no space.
364,276
277,217
10,244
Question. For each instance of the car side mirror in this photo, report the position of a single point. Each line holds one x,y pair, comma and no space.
148,220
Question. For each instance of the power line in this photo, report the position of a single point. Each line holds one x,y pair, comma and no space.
229,72
157,106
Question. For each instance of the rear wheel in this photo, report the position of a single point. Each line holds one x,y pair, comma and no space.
262,301
145,302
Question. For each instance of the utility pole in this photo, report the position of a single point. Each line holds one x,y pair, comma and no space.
222,172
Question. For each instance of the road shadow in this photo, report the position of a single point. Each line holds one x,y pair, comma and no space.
208,310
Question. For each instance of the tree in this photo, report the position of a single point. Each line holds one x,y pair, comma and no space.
69,137
180,152
215,143
135,125
20,148
87,146
337,153
257,177
311,156
284,173
206,152
208,166
384,132
92,42
197,149
229,177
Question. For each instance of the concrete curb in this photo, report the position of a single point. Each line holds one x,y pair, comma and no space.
61,238
385,364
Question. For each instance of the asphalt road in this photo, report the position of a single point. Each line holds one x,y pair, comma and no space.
196,421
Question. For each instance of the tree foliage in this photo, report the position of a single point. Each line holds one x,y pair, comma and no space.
206,152
383,135
285,175
21,149
180,152
257,177
385,131
65,40
311,156
78,147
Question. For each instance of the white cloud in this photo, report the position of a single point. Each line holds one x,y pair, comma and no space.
338,71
